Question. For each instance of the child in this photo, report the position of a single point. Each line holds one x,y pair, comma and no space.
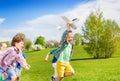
63,55
3,46
12,56
18,70
53,63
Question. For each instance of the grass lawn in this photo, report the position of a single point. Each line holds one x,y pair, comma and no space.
86,68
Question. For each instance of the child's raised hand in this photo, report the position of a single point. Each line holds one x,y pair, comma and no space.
68,26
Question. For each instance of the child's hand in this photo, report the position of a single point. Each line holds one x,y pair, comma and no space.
46,59
68,26
27,67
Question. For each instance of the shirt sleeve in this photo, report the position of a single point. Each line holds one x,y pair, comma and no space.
53,51
63,38
20,59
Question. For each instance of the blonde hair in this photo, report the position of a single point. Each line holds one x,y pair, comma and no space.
3,45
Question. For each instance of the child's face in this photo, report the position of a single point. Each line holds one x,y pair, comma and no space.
3,47
19,45
69,37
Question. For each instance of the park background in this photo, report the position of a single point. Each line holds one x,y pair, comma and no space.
86,68
96,39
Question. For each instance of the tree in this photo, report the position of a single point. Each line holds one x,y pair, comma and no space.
52,43
111,36
100,35
28,44
77,39
40,40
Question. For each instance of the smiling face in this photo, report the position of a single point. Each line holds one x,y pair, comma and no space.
19,45
18,42
69,37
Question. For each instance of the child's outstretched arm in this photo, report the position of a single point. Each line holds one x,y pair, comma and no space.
26,65
64,35
68,26
23,62
47,56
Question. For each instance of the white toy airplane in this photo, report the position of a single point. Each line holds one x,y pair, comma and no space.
71,22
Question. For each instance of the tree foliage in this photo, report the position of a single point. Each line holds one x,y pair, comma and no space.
101,35
28,44
77,39
40,40
52,43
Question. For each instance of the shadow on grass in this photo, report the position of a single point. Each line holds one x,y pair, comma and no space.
77,59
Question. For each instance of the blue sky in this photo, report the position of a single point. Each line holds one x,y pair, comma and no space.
41,17
16,12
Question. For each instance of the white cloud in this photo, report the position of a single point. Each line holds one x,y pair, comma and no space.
47,25
110,8
47,19
2,20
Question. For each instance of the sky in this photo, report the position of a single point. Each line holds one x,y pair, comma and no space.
42,17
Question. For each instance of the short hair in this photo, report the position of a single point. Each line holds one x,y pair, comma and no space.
16,39
0,44
70,31
3,44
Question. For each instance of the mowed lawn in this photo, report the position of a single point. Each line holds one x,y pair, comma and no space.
86,68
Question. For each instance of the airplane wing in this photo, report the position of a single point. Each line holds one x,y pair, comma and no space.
73,26
65,19
71,22
59,27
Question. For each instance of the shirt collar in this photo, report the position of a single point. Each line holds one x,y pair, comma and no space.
16,50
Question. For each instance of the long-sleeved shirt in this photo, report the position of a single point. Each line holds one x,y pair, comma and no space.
10,57
63,45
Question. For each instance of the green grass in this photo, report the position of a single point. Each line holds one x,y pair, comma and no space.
86,68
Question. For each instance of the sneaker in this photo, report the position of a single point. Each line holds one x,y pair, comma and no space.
52,78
